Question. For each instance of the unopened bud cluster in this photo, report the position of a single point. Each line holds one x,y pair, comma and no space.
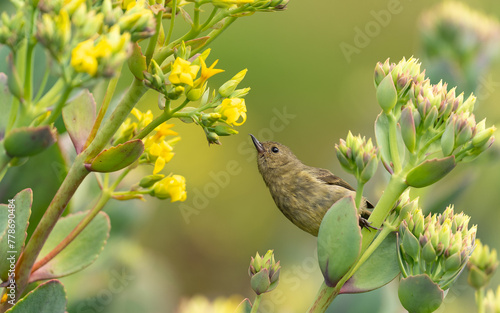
482,264
426,112
264,272
437,245
358,156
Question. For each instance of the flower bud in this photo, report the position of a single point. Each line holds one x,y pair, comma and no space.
230,86
482,265
264,272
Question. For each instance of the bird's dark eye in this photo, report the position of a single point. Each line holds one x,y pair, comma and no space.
275,149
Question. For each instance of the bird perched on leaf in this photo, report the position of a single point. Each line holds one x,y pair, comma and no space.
302,193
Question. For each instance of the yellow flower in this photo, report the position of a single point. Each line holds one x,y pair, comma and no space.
102,49
143,118
183,72
83,58
173,187
232,109
128,3
206,72
163,153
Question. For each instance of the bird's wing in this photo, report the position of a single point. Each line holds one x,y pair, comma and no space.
330,179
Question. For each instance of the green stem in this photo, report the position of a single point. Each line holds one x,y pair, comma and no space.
165,116
73,179
110,91
59,106
130,99
153,40
41,88
394,190
256,303
172,22
480,300
52,95
393,144
28,76
209,19
359,194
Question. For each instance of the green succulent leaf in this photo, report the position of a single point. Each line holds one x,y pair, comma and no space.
382,135
339,240
137,62
419,294
117,157
430,172
80,253
49,297
244,307
380,269
28,141
11,246
260,282
79,117
387,95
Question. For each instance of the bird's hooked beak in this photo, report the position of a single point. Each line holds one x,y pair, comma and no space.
258,145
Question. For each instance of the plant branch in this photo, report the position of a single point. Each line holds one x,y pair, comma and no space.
256,303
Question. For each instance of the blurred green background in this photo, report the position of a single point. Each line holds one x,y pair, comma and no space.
305,94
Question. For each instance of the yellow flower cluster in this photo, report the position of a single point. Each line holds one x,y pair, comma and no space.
173,187
183,72
232,109
111,49
158,149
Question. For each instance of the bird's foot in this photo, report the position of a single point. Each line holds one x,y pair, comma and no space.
363,223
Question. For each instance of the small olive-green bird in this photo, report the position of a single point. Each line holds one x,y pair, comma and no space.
302,193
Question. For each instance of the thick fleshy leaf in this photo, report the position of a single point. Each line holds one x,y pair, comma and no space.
419,294
79,116
197,43
387,95
13,234
137,62
244,307
117,157
80,253
260,282
382,135
28,141
380,269
339,240
49,297
408,129
430,172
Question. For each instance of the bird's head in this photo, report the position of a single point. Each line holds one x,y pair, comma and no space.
272,155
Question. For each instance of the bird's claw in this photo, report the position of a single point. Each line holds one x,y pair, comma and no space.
363,223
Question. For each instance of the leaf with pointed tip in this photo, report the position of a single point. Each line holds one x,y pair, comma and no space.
339,240
49,297
117,157
22,211
28,141
137,62
430,172
244,307
419,294
79,117
382,135
80,253
197,43
380,269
